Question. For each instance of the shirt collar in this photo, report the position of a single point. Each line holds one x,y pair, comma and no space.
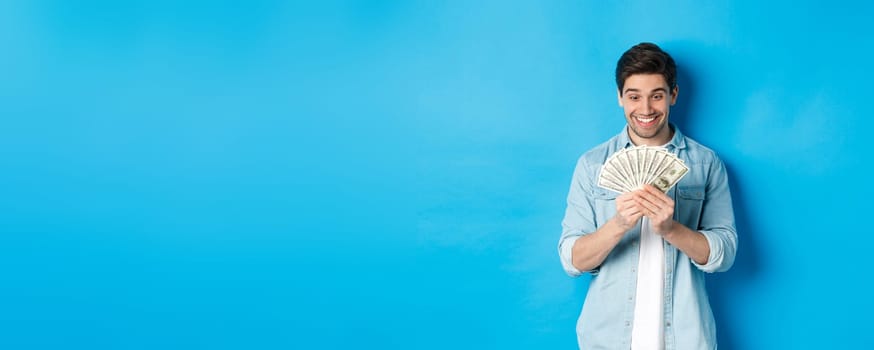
677,142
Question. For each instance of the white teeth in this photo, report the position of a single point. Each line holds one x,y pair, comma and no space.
645,120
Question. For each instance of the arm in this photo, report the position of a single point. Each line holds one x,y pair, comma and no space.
713,246
717,221
692,243
659,208
583,246
579,219
589,251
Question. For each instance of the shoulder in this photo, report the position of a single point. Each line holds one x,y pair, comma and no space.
700,154
596,156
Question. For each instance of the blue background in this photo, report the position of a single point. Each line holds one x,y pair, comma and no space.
392,175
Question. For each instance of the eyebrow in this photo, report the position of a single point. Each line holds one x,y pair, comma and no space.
654,90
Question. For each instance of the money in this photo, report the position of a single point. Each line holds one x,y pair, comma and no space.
675,171
630,168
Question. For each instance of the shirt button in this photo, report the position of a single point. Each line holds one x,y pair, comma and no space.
668,323
627,323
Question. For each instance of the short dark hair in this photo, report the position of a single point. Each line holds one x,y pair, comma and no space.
646,58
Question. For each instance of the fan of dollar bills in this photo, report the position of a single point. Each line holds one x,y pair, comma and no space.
630,168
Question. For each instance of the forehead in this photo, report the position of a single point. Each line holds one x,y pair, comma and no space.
645,82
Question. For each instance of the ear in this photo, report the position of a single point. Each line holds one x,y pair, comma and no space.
674,94
619,97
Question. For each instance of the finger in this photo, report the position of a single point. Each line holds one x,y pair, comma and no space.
650,213
628,202
632,216
629,211
635,217
659,194
648,208
640,196
648,201
623,205
655,196
651,193
650,188
625,198
657,215
655,211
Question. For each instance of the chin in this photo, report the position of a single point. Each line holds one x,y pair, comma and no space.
648,133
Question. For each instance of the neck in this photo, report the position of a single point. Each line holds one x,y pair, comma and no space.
660,139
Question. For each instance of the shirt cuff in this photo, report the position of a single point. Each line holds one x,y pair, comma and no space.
714,260
565,251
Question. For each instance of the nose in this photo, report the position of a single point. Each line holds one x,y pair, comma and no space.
646,106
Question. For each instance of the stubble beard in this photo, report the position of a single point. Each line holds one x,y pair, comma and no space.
643,133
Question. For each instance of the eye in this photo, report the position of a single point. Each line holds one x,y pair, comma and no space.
633,97
657,97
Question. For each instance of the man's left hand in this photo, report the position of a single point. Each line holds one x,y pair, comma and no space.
657,206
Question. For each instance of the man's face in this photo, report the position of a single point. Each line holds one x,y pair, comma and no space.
647,101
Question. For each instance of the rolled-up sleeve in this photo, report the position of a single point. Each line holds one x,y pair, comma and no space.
717,221
578,217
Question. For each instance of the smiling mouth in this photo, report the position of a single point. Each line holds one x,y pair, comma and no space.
646,121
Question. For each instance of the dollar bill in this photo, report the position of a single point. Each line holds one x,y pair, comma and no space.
632,162
646,158
605,182
657,157
629,169
613,165
609,174
671,175
623,163
663,161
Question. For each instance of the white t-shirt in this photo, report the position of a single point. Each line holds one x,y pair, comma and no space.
648,330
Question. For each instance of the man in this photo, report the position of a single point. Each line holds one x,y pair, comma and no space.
648,251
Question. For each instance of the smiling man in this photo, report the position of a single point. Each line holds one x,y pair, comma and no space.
648,251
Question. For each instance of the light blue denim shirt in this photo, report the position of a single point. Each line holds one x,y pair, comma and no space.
703,203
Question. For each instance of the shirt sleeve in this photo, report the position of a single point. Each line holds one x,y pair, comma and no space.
717,221
578,218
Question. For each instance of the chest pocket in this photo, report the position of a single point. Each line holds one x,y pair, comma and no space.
605,205
690,200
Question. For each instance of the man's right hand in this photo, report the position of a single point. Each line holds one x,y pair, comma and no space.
589,251
627,212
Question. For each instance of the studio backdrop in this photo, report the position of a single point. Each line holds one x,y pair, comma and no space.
393,174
